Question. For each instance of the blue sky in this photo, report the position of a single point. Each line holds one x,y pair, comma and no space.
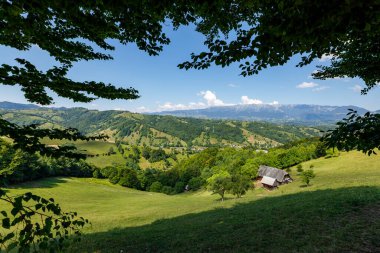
163,86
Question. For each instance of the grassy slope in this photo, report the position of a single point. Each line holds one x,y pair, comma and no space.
338,213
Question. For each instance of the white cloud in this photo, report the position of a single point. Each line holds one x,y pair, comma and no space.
326,57
118,109
168,106
357,88
320,88
274,103
211,98
232,85
305,85
141,109
245,100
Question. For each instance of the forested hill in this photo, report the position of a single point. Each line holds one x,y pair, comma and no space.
156,130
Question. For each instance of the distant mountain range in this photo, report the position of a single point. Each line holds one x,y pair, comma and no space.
16,106
300,114
296,114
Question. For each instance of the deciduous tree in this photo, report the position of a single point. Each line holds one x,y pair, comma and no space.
219,183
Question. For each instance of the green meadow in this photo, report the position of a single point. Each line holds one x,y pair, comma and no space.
339,212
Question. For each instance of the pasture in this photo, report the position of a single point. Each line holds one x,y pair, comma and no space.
339,212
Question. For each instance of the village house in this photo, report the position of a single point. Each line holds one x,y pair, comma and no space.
271,177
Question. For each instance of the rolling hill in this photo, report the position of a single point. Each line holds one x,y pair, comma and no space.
159,130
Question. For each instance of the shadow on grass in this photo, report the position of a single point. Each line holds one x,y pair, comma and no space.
41,183
339,220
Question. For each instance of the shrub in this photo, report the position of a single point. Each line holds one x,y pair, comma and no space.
299,168
307,176
128,178
167,190
155,187
196,183
106,171
179,187
97,174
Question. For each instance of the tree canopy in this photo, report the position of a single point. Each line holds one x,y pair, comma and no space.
257,34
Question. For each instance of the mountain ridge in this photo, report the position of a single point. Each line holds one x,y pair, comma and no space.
162,130
292,113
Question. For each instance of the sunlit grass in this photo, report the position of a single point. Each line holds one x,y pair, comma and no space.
337,213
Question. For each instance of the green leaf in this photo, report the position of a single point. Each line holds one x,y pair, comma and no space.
6,223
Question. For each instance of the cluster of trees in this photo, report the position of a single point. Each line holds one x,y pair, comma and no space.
221,170
154,155
231,170
17,166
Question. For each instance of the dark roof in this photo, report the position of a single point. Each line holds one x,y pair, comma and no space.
267,171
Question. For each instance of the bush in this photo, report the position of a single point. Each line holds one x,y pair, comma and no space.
299,168
320,150
128,178
155,187
196,183
307,176
114,179
97,174
179,187
167,190
106,171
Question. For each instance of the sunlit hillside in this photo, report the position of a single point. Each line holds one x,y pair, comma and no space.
337,213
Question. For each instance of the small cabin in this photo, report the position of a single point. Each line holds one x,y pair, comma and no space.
272,177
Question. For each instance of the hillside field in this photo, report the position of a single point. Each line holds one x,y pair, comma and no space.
339,212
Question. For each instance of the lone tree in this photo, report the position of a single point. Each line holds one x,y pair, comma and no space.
264,33
240,184
219,183
307,175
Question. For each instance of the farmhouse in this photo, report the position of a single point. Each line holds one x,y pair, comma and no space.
272,177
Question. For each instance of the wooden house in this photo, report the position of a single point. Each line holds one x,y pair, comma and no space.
271,177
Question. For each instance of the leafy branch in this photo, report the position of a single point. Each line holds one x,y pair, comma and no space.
25,233
28,138
356,132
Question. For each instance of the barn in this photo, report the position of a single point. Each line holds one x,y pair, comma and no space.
272,177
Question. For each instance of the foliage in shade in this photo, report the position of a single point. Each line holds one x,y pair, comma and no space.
29,138
26,234
269,33
356,132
